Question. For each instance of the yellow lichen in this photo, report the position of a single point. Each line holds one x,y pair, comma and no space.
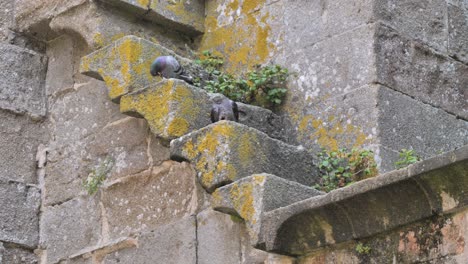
243,201
98,40
143,3
178,127
246,148
244,43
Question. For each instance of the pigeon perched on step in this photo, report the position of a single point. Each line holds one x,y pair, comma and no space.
169,67
224,109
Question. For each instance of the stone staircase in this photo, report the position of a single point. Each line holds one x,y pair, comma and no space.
253,174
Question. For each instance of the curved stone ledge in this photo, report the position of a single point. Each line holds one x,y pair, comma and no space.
184,16
172,108
435,186
252,196
124,65
228,151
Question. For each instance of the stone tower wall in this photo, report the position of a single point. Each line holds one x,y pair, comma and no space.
378,74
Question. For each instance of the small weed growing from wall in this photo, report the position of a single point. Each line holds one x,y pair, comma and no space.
264,86
233,88
268,82
407,157
210,62
342,168
97,175
363,249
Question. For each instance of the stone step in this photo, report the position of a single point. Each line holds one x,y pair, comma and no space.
252,196
228,151
184,16
125,65
174,108
434,186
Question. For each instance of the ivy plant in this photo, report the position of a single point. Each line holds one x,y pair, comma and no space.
264,85
342,167
406,157
268,82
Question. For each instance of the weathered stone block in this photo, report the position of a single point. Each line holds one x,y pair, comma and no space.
22,80
82,113
333,66
185,16
125,65
70,227
227,151
255,195
6,18
218,238
424,21
15,255
165,194
34,17
60,66
19,214
406,123
172,108
417,71
370,206
172,244
457,34
19,138
126,142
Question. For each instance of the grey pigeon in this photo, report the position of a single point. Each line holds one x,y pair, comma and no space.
224,109
169,67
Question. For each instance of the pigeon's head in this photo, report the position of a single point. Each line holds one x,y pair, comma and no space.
158,66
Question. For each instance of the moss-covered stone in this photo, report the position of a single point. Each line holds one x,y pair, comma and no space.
227,151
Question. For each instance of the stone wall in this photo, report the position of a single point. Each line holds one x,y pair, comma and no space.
377,74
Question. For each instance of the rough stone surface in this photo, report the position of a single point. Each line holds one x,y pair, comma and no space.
69,227
98,25
424,21
60,71
255,195
407,123
415,70
34,17
126,142
371,206
213,229
19,139
15,255
171,107
439,239
6,18
22,80
19,214
172,244
227,151
78,122
458,36
165,194
124,65
184,16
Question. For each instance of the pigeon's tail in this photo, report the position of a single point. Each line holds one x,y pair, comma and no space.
180,71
